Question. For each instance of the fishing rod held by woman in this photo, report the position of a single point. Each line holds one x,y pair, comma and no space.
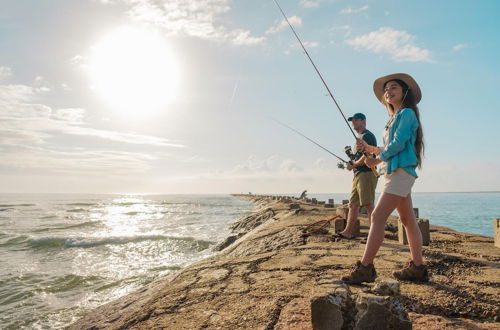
399,157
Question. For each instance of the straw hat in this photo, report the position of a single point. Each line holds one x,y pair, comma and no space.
378,85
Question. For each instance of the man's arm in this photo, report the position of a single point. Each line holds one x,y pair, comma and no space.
356,163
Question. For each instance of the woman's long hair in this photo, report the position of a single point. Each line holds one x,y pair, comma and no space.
409,102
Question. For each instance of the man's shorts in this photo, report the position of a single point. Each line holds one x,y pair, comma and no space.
363,189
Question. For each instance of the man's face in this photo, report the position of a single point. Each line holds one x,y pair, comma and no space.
358,123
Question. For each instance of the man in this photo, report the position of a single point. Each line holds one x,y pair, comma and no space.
364,181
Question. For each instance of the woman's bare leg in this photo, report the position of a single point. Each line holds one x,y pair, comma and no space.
407,216
385,205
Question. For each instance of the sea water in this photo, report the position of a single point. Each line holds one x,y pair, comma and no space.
63,255
471,212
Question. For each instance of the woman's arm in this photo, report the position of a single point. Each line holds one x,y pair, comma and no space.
402,134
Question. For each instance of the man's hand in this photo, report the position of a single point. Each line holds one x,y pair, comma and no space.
349,167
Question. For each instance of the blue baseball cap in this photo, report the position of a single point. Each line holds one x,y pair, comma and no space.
358,115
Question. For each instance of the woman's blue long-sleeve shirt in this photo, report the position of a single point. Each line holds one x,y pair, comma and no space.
400,149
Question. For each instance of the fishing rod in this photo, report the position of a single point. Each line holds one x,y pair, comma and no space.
311,140
315,68
321,77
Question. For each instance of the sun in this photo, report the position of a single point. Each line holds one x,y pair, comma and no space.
134,70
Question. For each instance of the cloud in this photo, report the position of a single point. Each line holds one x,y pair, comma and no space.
350,10
459,47
272,164
398,44
5,72
294,20
309,4
74,161
35,137
195,18
311,44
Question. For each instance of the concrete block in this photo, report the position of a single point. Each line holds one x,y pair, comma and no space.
294,206
314,201
345,201
339,224
423,224
321,202
357,229
415,210
330,201
343,211
496,232
362,210
330,206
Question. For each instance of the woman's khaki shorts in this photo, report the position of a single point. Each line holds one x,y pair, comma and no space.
398,183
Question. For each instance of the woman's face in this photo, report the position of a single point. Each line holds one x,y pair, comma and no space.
393,94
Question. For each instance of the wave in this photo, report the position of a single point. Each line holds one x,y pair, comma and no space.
6,209
14,205
188,243
76,210
132,213
81,204
78,225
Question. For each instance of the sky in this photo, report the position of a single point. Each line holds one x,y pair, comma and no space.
177,96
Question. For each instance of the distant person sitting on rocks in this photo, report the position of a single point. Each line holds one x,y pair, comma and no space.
400,156
303,195
364,181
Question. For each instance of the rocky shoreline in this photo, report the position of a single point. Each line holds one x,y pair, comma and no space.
269,276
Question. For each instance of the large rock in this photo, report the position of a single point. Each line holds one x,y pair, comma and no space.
380,313
252,221
332,308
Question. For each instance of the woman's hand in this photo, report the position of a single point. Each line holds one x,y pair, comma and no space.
372,162
361,144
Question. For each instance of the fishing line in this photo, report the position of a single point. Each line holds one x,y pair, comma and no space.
311,140
315,68
322,80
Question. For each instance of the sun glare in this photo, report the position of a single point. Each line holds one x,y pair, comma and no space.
134,70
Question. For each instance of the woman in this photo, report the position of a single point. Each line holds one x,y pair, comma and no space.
401,154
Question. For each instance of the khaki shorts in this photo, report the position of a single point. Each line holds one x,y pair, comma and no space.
363,189
398,183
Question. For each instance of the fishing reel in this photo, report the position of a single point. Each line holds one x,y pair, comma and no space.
349,153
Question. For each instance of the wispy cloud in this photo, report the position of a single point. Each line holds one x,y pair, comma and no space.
459,47
309,3
296,21
34,136
196,18
74,161
398,44
350,10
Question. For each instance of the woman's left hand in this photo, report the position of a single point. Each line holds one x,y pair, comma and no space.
361,144
372,162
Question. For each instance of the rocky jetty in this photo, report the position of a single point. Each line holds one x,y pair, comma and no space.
268,275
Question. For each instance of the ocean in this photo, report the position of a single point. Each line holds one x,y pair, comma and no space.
471,212
63,255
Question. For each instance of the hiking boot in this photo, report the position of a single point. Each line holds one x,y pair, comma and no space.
412,273
361,274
